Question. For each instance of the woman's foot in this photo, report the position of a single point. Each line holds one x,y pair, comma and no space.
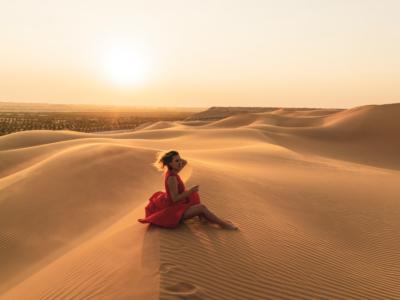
229,225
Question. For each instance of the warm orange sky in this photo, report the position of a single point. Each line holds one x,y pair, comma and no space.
320,53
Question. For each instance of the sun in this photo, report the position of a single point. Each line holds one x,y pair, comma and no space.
126,66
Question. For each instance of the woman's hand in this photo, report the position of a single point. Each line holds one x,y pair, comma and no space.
184,162
194,189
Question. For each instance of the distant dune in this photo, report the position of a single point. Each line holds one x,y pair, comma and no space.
315,193
218,112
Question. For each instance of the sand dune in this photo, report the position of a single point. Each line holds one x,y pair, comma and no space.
315,193
160,125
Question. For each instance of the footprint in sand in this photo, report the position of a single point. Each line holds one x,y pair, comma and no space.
167,267
183,289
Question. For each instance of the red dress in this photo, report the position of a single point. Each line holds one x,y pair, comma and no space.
162,211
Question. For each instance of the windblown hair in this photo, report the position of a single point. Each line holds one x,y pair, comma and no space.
163,159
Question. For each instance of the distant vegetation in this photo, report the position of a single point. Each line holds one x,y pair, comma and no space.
84,121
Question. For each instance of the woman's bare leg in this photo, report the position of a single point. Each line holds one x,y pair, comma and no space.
201,209
202,218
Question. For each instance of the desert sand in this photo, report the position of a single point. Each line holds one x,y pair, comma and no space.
315,193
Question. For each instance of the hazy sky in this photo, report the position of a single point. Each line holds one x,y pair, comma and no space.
301,53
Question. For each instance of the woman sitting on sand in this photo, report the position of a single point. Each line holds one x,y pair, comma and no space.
170,208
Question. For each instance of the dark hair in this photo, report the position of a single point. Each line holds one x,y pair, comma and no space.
164,158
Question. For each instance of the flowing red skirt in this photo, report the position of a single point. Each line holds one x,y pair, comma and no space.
163,212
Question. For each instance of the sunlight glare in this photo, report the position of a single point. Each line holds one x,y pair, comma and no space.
126,66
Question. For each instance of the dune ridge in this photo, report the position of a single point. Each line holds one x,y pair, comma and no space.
314,192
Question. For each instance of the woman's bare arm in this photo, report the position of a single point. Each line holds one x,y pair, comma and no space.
173,189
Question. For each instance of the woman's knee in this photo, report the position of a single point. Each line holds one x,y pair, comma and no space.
193,210
201,207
